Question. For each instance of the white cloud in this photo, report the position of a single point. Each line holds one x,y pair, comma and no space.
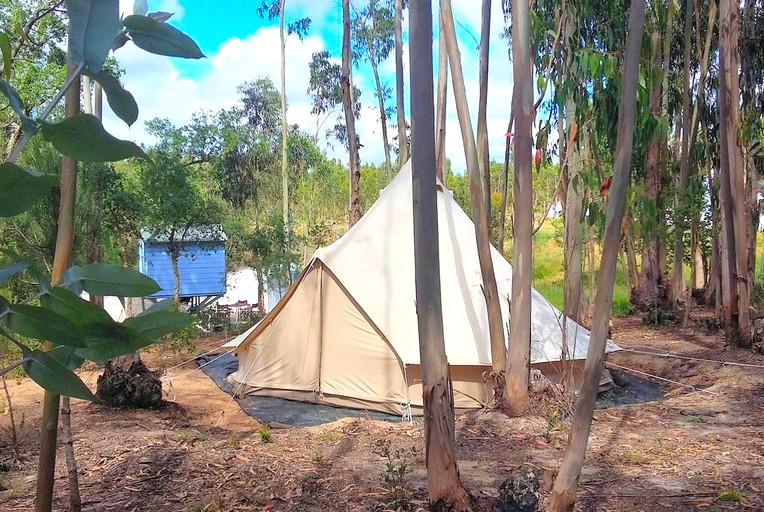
163,91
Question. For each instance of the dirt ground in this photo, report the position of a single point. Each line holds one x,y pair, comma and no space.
695,450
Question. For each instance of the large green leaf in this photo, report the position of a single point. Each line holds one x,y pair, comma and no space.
77,310
104,279
160,305
44,324
93,25
156,37
11,270
106,342
54,376
14,100
5,50
120,100
83,138
21,189
66,356
155,325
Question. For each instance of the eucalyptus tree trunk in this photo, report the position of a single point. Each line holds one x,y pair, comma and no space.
347,104
505,182
382,114
67,440
484,157
176,279
574,198
680,202
284,128
518,360
732,167
565,485
437,392
631,253
440,122
61,261
574,229
666,157
651,276
400,106
482,234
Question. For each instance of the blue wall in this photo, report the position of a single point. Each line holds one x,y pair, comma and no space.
201,266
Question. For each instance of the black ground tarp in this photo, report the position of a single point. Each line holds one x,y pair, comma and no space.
303,414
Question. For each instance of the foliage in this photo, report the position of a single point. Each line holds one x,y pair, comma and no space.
265,432
395,472
77,329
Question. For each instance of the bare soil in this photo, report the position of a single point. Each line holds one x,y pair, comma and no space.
695,450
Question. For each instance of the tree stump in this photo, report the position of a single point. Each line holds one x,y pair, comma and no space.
132,386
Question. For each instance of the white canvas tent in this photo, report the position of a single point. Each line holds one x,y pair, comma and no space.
346,331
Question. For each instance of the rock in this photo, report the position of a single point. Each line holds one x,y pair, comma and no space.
519,494
134,386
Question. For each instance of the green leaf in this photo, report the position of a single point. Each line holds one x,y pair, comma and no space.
83,138
5,50
76,309
155,325
121,101
594,63
109,341
27,124
11,270
93,25
66,356
44,324
54,376
21,189
156,37
162,305
103,279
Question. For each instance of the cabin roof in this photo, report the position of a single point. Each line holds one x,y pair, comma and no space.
205,233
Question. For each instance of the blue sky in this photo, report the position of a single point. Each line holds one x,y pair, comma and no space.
241,46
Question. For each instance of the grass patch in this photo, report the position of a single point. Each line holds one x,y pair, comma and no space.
731,494
549,275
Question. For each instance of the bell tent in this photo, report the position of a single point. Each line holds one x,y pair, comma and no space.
346,333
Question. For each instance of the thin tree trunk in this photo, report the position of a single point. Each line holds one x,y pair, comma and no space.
666,157
651,276
631,254
699,270
565,485
400,106
260,290
505,184
484,157
61,260
176,278
732,167
680,203
14,433
518,360
87,103
482,234
75,502
440,120
284,129
347,103
437,393
574,200
382,113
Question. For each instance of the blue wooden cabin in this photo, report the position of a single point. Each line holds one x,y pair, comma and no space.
201,264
